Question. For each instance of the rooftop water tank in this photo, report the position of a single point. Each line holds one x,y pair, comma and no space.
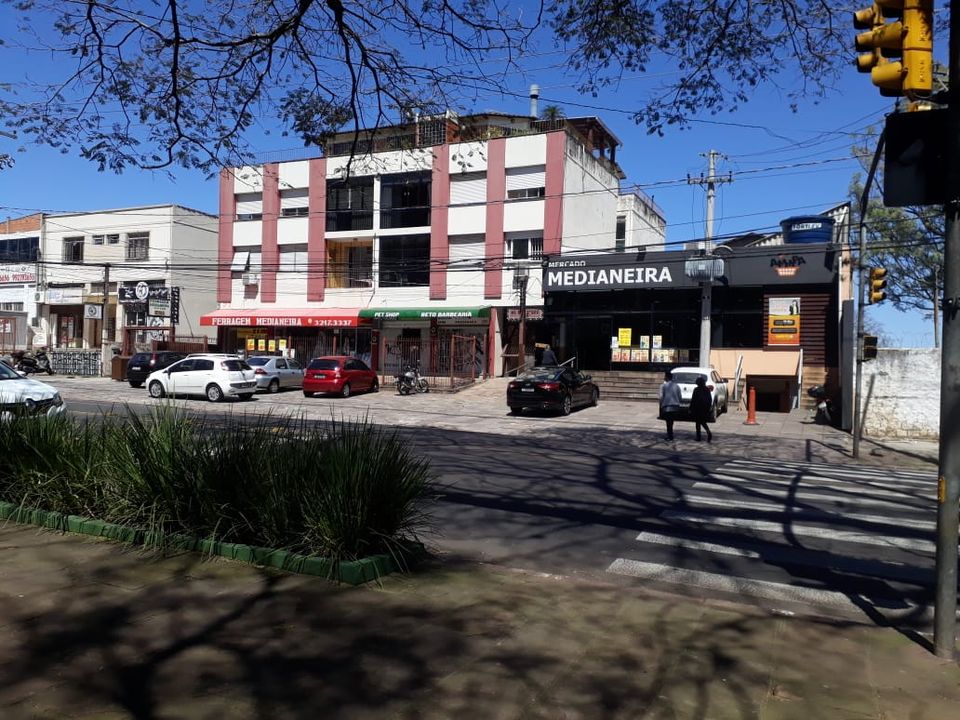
807,229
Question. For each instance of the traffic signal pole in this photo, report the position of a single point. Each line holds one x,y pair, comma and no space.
948,483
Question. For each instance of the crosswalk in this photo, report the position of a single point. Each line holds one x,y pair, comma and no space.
824,536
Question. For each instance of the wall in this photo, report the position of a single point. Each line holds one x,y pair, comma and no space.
901,394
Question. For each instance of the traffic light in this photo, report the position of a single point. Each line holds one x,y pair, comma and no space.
869,347
878,282
909,37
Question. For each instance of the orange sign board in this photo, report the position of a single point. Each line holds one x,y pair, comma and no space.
783,321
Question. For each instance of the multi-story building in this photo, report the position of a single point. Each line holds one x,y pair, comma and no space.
416,232
19,252
157,263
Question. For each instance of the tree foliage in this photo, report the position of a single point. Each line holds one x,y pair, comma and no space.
187,82
907,241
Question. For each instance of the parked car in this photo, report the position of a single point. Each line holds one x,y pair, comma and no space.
144,363
275,373
212,376
21,396
340,375
686,378
551,388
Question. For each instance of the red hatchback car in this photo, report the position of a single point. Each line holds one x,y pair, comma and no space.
340,375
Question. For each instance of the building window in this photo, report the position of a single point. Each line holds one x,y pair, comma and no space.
404,260
525,248
350,204
113,239
350,265
468,188
138,246
249,206
12,306
19,250
73,250
526,183
295,203
97,240
620,238
405,200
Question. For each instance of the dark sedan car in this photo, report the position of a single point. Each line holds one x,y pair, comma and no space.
551,388
142,364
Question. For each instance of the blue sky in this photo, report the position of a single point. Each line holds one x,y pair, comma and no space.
782,163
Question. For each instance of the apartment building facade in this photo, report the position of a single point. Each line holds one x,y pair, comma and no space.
416,232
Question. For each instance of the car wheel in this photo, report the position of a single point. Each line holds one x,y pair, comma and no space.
516,411
214,393
136,383
156,389
594,398
307,393
274,386
567,405
376,386
345,390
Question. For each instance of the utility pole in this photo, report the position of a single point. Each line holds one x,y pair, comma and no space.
706,287
520,278
948,484
104,337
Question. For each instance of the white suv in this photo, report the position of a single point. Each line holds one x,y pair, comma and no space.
213,376
686,378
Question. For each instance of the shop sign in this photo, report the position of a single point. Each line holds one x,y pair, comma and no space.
783,321
93,312
624,337
533,314
576,277
18,273
65,296
141,292
159,307
460,313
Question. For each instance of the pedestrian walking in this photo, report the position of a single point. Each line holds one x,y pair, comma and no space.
670,400
700,404
549,357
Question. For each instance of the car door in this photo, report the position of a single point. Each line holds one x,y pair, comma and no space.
178,380
198,376
721,387
296,373
364,374
354,377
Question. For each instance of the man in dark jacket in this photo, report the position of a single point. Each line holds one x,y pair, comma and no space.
700,404
549,357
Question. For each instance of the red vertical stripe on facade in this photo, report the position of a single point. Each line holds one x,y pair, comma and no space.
439,212
228,213
270,249
316,231
496,195
553,204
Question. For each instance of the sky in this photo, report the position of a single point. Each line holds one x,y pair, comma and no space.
782,163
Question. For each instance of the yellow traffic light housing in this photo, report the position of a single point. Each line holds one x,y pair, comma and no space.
909,37
875,293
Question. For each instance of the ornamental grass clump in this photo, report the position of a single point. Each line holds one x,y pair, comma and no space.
341,490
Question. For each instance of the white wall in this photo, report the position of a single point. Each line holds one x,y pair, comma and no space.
526,150
590,195
901,394
294,174
384,162
468,157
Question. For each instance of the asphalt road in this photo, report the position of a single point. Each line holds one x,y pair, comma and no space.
603,495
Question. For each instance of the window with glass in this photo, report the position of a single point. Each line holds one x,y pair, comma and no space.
350,204
73,250
404,260
405,200
525,248
138,246
249,206
620,238
19,250
526,183
349,264
294,203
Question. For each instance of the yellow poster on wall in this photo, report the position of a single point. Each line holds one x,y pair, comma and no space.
271,345
282,344
783,321
251,344
261,344
624,336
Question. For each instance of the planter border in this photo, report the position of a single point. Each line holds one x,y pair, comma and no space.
351,572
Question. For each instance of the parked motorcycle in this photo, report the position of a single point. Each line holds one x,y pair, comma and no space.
825,409
31,364
410,381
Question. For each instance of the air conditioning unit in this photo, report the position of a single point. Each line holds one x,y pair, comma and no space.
39,297
251,278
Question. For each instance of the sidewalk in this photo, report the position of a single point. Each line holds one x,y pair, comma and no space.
93,630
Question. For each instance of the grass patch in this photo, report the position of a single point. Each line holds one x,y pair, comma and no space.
342,490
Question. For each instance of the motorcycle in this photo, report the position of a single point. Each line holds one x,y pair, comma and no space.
410,381
825,409
30,364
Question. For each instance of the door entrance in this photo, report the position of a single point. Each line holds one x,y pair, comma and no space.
592,343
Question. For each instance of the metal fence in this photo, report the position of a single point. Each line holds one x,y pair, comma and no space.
85,363
447,361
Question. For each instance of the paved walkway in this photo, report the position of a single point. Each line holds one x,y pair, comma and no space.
93,630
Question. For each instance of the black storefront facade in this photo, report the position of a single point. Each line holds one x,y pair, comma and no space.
641,311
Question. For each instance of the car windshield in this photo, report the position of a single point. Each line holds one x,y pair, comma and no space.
234,365
8,373
687,378
257,362
319,364
541,374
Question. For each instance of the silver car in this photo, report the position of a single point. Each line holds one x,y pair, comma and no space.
275,373
686,378
21,396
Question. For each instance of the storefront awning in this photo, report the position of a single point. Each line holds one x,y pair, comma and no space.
449,313
284,317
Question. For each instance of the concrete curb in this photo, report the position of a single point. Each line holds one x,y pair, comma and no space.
351,572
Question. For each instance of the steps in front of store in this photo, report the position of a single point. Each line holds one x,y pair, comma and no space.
627,385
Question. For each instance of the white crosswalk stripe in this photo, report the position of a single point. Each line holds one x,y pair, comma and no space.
784,526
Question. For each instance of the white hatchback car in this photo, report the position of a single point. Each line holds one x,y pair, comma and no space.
212,376
20,396
686,378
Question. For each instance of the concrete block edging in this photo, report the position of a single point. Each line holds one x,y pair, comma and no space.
350,572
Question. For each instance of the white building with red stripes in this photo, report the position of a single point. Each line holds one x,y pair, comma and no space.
417,233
